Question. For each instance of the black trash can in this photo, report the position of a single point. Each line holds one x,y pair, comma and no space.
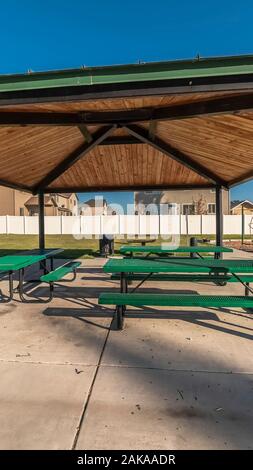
106,245
194,242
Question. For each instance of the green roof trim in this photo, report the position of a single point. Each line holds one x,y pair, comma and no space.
199,67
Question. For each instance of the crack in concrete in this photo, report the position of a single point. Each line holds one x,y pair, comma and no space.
86,403
126,366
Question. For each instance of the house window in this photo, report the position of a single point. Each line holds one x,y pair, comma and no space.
211,209
188,209
21,211
172,208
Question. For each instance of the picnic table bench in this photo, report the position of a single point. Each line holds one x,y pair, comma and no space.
188,269
58,274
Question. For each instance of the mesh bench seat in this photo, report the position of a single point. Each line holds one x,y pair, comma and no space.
167,300
59,273
182,300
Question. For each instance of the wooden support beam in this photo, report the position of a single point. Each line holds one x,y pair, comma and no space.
97,189
152,129
71,159
225,104
242,179
86,133
174,153
121,140
19,187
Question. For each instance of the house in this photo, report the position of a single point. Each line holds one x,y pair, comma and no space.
55,204
96,206
237,207
195,201
13,202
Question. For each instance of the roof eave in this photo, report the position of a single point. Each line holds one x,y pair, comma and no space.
142,72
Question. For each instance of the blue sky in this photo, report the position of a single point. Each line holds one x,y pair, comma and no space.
56,34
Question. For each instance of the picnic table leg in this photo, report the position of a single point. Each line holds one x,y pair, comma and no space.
45,266
20,285
11,290
247,293
120,309
20,289
119,317
247,289
11,285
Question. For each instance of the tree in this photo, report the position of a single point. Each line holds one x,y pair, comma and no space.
201,206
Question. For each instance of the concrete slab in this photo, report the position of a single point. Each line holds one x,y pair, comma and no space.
133,408
58,335
41,405
62,331
165,381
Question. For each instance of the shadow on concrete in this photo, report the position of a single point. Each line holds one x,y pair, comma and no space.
200,318
200,394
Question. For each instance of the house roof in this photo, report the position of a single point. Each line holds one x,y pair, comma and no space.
244,202
67,195
143,126
94,202
48,201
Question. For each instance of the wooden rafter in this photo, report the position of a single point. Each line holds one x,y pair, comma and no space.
174,153
85,132
76,155
147,187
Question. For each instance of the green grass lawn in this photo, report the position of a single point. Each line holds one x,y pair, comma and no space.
84,248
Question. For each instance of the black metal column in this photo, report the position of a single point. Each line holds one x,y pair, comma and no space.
41,221
219,219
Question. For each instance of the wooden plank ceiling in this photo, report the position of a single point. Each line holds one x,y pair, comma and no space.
218,144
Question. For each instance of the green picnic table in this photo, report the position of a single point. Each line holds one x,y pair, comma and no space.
216,271
174,265
17,263
139,241
170,249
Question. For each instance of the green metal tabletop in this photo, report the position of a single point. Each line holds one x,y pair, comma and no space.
46,252
190,265
16,262
175,249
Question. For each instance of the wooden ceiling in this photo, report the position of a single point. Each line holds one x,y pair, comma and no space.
206,140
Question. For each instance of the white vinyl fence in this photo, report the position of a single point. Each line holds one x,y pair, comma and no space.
127,225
